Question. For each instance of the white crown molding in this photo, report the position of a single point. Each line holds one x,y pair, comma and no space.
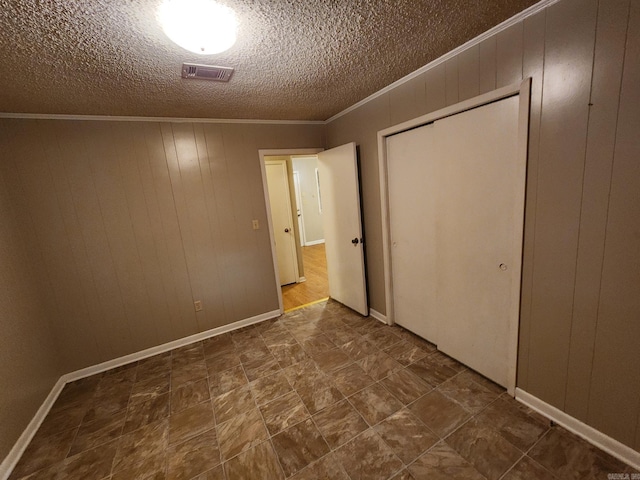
590,434
532,10
110,118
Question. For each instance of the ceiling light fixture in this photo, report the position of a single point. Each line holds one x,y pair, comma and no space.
200,26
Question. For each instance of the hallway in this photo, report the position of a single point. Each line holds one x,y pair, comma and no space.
316,287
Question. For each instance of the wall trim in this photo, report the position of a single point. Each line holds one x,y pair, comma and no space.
518,17
378,316
314,242
588,433
11,460
9,463
117,118
165,347
532,10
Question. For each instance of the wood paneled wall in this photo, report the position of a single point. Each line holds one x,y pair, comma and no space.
29,362
134,221
580,316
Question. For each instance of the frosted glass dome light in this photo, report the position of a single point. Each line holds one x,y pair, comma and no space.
200,26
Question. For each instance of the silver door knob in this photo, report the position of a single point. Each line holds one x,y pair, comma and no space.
503,266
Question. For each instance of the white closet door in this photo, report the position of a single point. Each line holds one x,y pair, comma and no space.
456,197
480,210
413,184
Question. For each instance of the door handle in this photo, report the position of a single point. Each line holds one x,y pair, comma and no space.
355,241
286,230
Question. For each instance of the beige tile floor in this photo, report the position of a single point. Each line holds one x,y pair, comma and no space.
318,393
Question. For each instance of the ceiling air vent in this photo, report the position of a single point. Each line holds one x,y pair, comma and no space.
206,72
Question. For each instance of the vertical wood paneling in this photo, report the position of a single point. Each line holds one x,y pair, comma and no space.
215,286
251,190
29,360
73,140
194,225
154,291
168,230
26,233
605,96
125,218
509,55
59,158
71,261
613,403
469,73
40,199
532,64
241,209
436,88
263,266
121,246
220,205
451,81
172,142
568,64
487,53
408,100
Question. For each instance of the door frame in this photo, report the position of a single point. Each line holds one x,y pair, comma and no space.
296,186
523,89
262,153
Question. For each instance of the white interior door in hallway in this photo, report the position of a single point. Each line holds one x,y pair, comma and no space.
456,212
280,203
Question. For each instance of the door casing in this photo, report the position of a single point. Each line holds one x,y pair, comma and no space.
269,153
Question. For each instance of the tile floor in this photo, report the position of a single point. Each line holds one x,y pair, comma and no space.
319,393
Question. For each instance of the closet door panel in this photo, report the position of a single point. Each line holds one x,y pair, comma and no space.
478,261
413,182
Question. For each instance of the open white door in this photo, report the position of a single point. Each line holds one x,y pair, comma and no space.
340,197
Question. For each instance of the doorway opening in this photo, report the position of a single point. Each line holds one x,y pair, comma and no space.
296,214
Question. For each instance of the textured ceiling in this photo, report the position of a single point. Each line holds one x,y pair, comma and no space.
294,59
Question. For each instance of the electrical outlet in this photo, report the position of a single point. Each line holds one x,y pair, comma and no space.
256,224
198,305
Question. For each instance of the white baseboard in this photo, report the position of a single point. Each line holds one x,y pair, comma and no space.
378,316
165,347
313,242
302,279
590,434
9,463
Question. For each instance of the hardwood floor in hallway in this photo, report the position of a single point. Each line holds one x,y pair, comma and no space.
315,271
